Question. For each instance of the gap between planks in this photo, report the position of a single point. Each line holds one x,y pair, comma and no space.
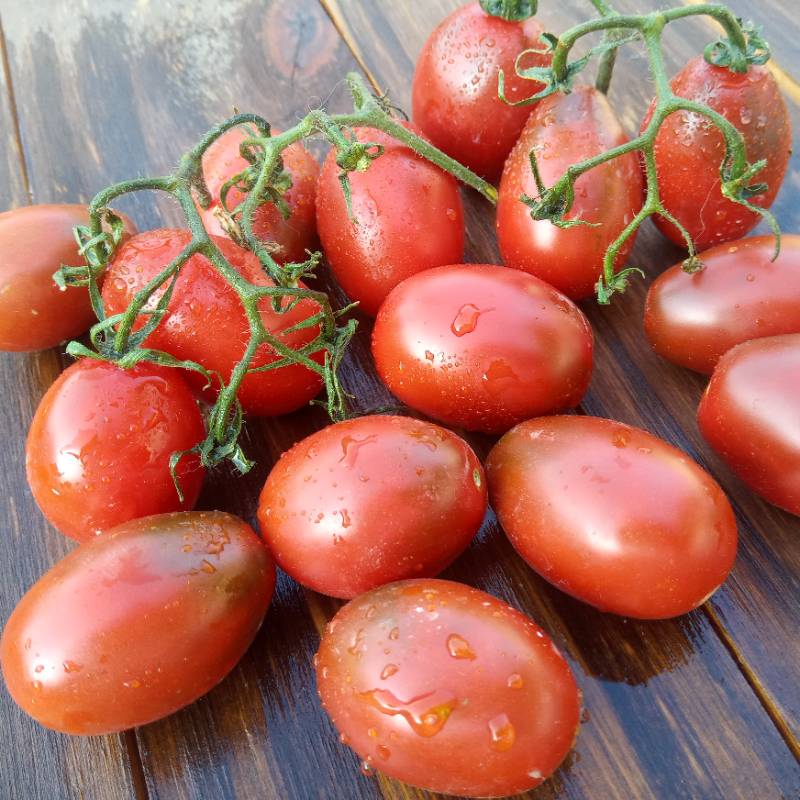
792,88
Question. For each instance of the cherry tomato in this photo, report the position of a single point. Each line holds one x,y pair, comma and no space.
447,688
482,347
690,150
369,501
137,623
407,217
100,442
454,95
564,129
612,515
203,302
693,319
34,242
294,235
750,415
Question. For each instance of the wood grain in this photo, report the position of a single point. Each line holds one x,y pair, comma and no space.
677,709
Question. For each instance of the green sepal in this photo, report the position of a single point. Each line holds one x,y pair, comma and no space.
511,10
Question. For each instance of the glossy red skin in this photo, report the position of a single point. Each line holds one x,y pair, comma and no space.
137,623
750,415
694,319
34,242
203,302
99,446
408,216
565,129
294,235
523,350
447,688
454,94
612,515
369,501
689,152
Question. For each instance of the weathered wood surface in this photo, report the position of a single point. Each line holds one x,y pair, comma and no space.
701,707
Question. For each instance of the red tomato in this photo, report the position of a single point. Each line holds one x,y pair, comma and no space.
447,688
203,302
482,347
565,129
34,242
369,501
100,442
407,217
137,623
612,515
294,235
692,320
454,94
690,150
750,415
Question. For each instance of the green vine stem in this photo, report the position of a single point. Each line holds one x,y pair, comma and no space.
741,47
114,339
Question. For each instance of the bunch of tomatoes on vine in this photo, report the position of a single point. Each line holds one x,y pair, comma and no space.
193,330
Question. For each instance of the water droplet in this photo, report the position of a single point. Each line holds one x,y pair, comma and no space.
451,214
372,733
750,277
355,647
345,518
515,681
459,647
428,355
71,666
39,668
535,774
351,447
366,770
343,738
388,671
503,733
383,751
466,320
394,634
620,439
426,714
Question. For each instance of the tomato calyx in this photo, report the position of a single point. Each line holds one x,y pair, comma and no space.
726,52
511,10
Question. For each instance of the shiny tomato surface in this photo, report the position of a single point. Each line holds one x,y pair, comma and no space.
612,515
372,500
750,414
482,347
99,446
690,150
454,95
694,319
293,236
137,623
206,322
34,242
448,688
564,129
407,217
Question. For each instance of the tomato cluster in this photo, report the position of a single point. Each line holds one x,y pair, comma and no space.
421,676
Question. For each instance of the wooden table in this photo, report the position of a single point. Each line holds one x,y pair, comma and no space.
705,706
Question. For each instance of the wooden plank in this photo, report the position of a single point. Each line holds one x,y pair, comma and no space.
35,763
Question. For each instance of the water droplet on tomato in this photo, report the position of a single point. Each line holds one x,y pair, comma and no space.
503,733
458,647
351,447
466,320
388,671
515,681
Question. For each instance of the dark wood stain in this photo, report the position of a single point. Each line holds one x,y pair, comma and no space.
699,707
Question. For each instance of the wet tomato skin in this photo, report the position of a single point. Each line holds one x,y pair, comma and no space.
612,515
447,688
98,448
294,235
689,151
750,416
694,319
565,129
454,93
203,301
482,347
34,242
372,500
137,623
408,217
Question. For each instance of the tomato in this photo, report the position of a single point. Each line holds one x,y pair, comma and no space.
750,415
690,149
407,216
565,129
612,515
203,302
34,242
294,235
137,623
372,500
447,688
99,446
454,94
692,320
482,347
